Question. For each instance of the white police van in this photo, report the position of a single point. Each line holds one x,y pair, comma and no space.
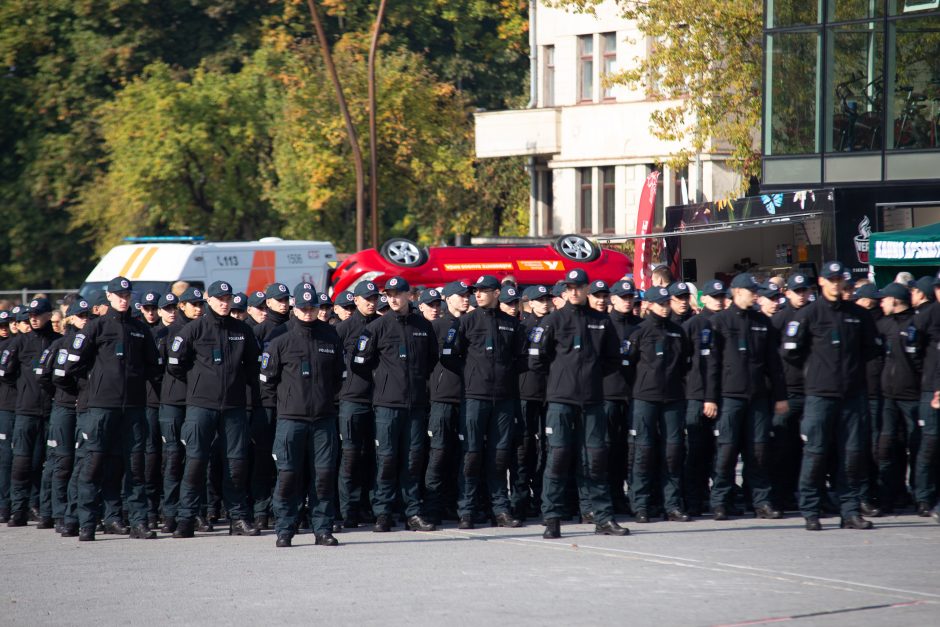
155,263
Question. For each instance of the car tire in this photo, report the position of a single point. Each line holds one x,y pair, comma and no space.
403,252
577,248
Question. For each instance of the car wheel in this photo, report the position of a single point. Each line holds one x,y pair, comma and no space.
403,252
577,248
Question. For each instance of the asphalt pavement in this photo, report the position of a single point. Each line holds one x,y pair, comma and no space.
743,571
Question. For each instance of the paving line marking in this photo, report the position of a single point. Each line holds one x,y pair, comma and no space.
847,610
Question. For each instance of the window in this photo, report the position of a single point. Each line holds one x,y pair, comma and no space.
610,61
914,83
791,93
586,202
855,88
608,200
782,13
845,10
548,92
586,68
680,186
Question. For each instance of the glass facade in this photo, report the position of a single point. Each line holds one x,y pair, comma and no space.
851,76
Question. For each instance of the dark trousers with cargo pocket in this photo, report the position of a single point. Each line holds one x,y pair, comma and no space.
7,420
486,441
400,444
113,433
171,423
659,436
60,458
440,479
832,426
356,467
576,433
743,427
200,430
304,449
29,449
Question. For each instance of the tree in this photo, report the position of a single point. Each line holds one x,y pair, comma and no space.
706,61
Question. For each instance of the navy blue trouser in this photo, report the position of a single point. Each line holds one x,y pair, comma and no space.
228,429
659,435
832,426
898,425
485,433
153,453
525,472
60,458
29,448
305,449
113,433
71,510
400,443
356,468
743,428
7,420
871,434
786,451
579,433
925,463
618,434
440,479
699,449
171,423
262,427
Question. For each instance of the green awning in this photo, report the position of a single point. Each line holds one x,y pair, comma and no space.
912,247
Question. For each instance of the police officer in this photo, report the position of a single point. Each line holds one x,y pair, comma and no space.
7,413
660,351
239,309
218,356
768,299
400,350
257,309
22,361
325,312
747,357
786,443
344,306
904,352
303,368
509,297
925,434
834,338
526,473
445,393
117,354
175,313
576,347
149,312
356,417
429,304
489,349
701,393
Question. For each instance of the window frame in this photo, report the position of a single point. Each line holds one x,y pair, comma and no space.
585,220
585,59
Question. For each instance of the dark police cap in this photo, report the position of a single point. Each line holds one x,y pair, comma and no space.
306,298
486,282
797,281
576,277
98,297
119,284
429,296
925,285
398,284
599,287
239,301
659,295
558,290
714,288
39,306
624,287
746,281
832,270
679,288
79,306
21,313
324,299
535,292
219,289
896,290
509,294
768,290
382,305
277,291
5,317
256,299
150,299
303,285
869,290
345,299
192,295
455,287
366,289
168,300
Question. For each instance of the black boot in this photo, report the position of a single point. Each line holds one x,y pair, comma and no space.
87,534
466,522
641,517
59,526
169,524
611,528
142,531
326,539
812,523
552,528
720,513
767,511
283,540
116,528
417,523
262,523
587,518
4,516
18,519
677,515
70,530
503,519
383,524
185,528
242,528
203,525
45,523
868,509
855,522
923,509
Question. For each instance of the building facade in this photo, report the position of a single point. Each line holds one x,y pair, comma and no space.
590,144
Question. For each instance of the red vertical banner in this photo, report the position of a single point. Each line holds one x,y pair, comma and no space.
643,248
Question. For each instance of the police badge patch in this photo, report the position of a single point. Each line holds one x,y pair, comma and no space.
264,360
451,334
363,341
177,342
78,341
792,328
536,335
62,357
42,359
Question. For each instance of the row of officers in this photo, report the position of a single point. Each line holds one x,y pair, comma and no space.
439,409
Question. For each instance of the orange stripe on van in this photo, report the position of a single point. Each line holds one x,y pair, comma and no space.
130,261
143,262
262,270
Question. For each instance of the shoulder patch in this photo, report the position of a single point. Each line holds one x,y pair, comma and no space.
177,342
264,359
43,357
535,336
363,342
78,341
792,328
62,356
